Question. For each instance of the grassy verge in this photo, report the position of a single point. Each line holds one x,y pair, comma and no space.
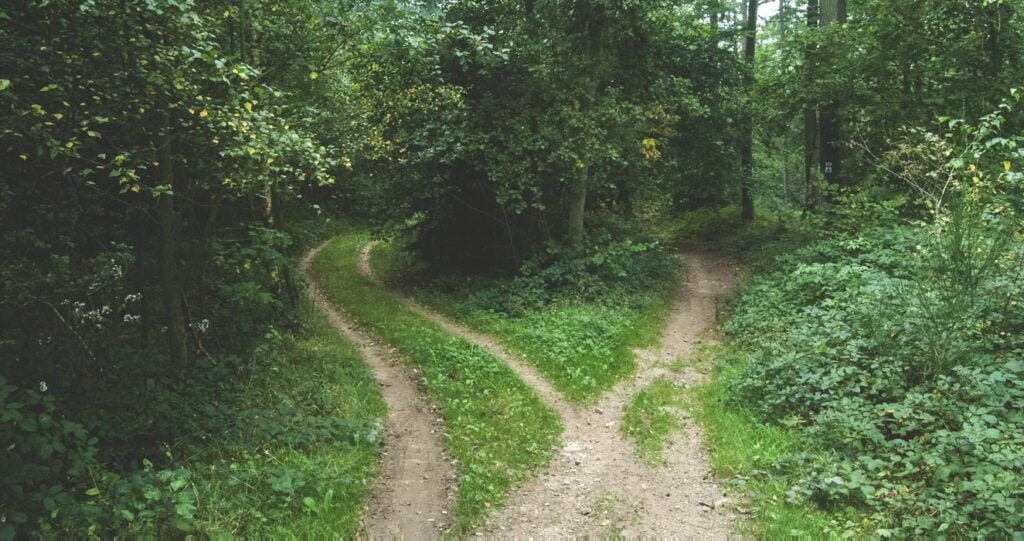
583,347
301,461
747,452
652,416
497,428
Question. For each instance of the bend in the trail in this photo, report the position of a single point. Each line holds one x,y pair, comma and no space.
595,484
526,372
413,490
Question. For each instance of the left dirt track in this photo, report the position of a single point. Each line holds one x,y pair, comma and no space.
412,490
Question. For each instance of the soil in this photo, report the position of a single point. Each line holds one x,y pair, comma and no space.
415,482
595,485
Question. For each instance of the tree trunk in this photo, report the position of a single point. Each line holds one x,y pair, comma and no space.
832,12
811,149
577,206
170,280
747,143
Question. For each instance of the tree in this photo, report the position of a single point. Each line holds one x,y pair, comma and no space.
811,140
511,124
833,12
747,138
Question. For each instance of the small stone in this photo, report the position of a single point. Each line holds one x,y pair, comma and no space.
599,411
585,512
721,503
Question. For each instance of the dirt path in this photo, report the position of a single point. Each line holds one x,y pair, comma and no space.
595,484
414,485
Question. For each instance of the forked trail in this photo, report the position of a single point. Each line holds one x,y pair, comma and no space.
595,484
413,487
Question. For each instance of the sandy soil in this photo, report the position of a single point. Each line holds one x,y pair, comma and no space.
595,485
414,485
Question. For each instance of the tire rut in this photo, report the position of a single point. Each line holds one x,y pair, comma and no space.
595,485
414,486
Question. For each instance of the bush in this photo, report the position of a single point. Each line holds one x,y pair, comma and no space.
900,350
847,351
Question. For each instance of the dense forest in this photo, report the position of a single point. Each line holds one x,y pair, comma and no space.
536,170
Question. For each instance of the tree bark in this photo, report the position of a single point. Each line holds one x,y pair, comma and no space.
747,143
577,206
832,12
170,278
811,147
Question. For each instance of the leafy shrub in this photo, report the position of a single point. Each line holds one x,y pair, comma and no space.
43,459
900,349
616,267
845,351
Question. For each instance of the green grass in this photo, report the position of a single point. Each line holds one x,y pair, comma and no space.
254,483
746,451
496,427
652,416
583,348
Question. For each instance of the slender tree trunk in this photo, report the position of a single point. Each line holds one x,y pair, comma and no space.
243,30
811,148
170,279
832,12
747,143
578,206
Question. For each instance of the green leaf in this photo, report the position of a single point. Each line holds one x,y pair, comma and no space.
185,510
310,504
92,492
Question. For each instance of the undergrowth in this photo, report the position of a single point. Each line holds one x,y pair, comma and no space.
497,429
275,431
288,448
752,455
889,358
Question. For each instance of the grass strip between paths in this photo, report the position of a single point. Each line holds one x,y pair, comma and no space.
496,428
652,416
582,347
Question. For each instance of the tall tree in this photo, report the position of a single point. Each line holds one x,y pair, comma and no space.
811,142
833,12
747,137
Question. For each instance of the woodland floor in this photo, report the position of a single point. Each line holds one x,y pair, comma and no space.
595,485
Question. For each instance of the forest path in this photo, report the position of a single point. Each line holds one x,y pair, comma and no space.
413,489
596,486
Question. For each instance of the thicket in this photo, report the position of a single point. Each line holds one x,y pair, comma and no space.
501,127
896,346
156,155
